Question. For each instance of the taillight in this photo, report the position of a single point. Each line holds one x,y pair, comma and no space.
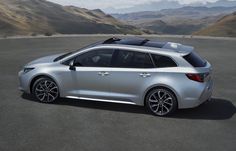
196,77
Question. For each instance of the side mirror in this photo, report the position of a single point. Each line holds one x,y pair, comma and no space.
72,67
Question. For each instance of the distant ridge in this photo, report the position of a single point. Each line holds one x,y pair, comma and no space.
167,4
180,21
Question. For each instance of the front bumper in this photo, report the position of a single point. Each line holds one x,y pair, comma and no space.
24,82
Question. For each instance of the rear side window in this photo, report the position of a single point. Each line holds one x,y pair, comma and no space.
195,60
131,59
163,61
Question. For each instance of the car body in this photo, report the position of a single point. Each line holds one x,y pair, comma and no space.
104,72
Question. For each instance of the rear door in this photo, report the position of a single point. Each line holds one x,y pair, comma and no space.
131,71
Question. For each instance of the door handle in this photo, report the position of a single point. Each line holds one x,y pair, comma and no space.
145,75
103,73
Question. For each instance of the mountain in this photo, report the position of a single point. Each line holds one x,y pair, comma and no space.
226,27
180,28
185,20
168,4
26,17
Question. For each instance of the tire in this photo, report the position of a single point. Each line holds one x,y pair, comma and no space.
45,90
161,102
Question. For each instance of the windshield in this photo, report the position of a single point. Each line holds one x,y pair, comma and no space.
62,56
73,52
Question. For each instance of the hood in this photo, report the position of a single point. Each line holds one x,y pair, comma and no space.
47,59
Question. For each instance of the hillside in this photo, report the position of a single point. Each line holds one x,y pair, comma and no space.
26,17
185,20
225,27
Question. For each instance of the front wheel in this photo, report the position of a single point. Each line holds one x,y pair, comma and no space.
161,102
45,90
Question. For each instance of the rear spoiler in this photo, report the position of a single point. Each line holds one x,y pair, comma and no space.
184,49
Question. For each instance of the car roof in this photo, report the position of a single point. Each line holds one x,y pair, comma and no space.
148,45
136,41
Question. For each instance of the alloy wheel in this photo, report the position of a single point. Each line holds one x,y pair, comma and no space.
161,102
46,91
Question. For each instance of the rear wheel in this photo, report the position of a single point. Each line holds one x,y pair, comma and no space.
161,102
45,90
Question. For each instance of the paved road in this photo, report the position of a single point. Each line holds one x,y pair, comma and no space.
27,125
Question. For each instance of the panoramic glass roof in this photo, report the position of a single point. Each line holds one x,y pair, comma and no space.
135,42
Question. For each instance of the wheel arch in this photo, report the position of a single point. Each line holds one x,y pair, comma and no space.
161,86
35,78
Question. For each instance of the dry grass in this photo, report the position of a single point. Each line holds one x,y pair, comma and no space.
225,27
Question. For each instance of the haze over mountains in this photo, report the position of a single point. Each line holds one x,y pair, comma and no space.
26,17
167,4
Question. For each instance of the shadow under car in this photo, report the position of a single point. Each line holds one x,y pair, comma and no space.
216,109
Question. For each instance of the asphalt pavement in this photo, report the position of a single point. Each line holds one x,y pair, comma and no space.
70,125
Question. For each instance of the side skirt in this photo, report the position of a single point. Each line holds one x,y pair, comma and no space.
100,100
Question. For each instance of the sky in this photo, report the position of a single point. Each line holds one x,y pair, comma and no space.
102,4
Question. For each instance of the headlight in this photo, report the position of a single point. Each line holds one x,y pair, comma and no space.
26,70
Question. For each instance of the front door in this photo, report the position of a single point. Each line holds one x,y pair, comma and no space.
92,73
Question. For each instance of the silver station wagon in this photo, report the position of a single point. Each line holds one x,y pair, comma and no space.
162,76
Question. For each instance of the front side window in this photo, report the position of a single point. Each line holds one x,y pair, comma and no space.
132,59
95,58
163,61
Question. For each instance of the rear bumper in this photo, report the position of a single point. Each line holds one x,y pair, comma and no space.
205,95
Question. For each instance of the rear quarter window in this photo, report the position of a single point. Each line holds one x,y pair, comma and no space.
195,60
